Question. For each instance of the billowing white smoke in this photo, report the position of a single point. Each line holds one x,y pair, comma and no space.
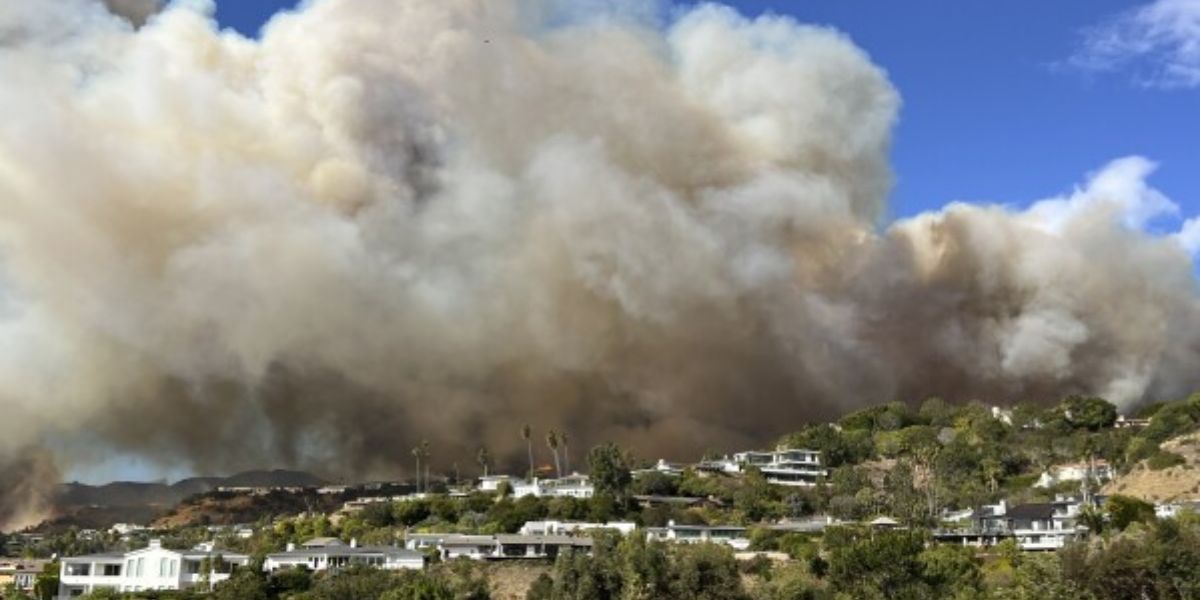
387,221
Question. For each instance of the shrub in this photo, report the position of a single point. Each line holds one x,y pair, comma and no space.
1164,460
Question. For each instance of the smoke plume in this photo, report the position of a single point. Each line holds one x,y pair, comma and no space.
441,219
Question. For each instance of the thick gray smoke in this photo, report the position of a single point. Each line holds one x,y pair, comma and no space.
387,221
137,11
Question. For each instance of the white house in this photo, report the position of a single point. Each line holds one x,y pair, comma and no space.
790,467
573,527
574,486
151,568
1044,526
662,467
1100,472
1124,422
491,483
326,554
1170,510
496,547
729,535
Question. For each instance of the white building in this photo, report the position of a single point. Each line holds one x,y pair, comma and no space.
1043,526
729,535
491,483
1170,510
126,529
797,468
573,486
151,568
1124,422
662,467
450,546
1100,472
327,554
573,527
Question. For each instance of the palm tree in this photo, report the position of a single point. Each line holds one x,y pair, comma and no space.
425,454
416,452
483,458
552,443
526,434
562,439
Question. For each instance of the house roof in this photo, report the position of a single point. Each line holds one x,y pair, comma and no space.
684,500
100,557
322,542
387,551
1031,511
561,540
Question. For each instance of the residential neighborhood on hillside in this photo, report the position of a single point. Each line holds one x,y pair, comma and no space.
1058,481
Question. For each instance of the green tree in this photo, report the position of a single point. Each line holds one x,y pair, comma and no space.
878,565
243,585
1039,577
1124,510
1088,412
609,470
706,572
45,587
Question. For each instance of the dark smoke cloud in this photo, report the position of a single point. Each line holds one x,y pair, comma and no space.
136,11
390,221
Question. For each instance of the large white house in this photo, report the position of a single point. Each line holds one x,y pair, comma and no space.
328,554
450,546
1098,472
574,527
729,535
1042,526
151,568
574,486
790,467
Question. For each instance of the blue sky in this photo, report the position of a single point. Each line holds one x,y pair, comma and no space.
992,111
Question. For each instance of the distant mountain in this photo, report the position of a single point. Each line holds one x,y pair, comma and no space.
276,478
137,494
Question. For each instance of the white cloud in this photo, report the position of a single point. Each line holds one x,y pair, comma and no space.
1189,236
1119,189
1157,43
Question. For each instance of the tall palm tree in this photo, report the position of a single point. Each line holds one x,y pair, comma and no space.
416,452
483,458
526,434
425,454
552,443
562,439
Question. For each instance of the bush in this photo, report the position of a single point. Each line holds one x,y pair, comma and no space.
1164,460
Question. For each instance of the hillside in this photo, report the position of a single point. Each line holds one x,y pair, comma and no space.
100,506
226,508
1178,482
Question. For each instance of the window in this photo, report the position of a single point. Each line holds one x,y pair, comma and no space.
112,570
174,567
141,562
162,567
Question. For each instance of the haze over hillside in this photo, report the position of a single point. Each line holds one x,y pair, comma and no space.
388,222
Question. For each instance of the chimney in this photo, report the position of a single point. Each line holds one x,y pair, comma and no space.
353,542
291,547
155,544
